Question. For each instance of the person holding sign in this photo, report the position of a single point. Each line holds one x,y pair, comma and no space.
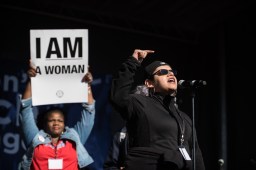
56,146
160,134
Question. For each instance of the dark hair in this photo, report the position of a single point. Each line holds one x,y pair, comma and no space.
42,118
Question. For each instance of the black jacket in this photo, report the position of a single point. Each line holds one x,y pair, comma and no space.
117,151
153,124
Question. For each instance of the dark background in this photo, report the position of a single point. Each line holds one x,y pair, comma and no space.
204,40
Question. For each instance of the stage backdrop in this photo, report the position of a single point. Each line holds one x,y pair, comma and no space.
13,79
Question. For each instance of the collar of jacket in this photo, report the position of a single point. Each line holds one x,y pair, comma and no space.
164,99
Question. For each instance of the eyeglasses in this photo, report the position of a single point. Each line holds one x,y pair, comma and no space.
165,72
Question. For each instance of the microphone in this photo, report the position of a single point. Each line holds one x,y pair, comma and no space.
191,83
221,162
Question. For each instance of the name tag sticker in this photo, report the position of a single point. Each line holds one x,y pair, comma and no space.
55,163
185,154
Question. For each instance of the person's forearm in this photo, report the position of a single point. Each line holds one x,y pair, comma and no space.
90,95
27,93
85,125
27,120
122,83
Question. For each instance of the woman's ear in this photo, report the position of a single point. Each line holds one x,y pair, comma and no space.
149,83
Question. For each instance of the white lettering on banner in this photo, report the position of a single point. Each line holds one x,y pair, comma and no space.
7,105
11,141
10,80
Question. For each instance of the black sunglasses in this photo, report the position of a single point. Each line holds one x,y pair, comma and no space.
165,72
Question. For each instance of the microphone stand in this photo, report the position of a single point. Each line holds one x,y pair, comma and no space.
193,85
193,94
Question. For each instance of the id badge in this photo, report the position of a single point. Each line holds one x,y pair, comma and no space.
184,153
55,163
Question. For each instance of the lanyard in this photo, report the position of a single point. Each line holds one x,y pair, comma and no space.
181,125
55,150
180,120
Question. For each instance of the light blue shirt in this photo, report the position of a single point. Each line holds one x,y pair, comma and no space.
78,134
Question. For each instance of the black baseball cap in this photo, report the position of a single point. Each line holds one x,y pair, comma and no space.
150,68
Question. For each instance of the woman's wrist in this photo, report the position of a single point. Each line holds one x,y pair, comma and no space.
89,89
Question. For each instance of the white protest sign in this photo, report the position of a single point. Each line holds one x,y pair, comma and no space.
60,57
